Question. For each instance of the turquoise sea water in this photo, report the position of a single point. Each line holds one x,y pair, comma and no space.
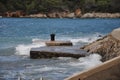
19,35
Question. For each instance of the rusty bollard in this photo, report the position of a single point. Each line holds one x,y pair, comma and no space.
52,36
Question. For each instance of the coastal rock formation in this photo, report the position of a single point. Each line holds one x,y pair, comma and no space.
70,15
108,47
78,12
63,14
39,15
14,14
101,15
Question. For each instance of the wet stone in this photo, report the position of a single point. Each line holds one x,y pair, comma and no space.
56,51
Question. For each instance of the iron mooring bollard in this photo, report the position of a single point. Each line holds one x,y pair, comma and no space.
52,36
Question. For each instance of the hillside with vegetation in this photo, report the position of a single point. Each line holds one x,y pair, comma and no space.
47,6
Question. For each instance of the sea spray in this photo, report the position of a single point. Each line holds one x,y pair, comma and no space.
51,68
23,49
91,60
88,61
86,39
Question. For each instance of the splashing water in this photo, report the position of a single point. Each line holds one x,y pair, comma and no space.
25,49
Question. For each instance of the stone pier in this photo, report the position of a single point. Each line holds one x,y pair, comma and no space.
56,51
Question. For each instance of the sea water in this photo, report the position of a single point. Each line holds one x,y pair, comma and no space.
19,35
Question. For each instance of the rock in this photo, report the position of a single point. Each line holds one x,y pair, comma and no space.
39,15
7,14
87,15
14,14
70,15
108,47
101,15
59,15
63,14
51,15
78,13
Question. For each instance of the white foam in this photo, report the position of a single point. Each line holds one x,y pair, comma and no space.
88,61
46,68
36,40
23,49
87,39
64,58
82,39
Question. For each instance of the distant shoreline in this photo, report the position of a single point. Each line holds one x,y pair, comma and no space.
72,15
66,15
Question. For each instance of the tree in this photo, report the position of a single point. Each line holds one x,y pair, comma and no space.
45,6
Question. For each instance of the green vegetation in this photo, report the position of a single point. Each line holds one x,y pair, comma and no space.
45,6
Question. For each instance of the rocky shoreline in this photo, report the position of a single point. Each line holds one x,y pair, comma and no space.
101,15
65,14
108,47
72,15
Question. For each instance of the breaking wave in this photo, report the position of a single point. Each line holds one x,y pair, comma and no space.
23,49
88,61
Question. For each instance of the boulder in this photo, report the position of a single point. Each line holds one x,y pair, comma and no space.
39,15
14,14
88,15
108,47
51,15
70,15
7,14
63,14
78,13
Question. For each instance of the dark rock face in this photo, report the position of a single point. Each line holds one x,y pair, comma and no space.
108,47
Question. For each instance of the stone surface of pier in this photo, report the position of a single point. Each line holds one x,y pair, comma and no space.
56,51
59,43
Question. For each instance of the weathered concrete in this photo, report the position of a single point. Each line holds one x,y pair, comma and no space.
108,47
109,70
57,51
59,43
